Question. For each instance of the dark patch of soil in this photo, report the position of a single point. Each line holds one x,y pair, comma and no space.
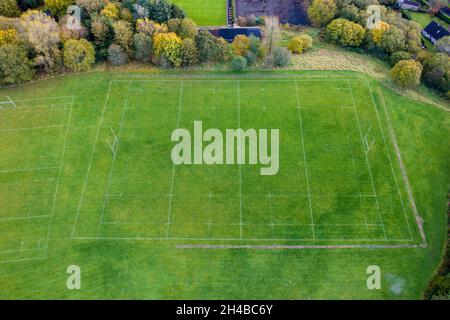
288,11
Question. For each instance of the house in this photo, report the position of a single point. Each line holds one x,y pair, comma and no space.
446,11
408,4
434,31
230,33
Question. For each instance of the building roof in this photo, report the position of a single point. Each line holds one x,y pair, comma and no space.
436,31
411,3
230,33
446,10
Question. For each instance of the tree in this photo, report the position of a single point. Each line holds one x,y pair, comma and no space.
58,7
110,11
184,28
436,5
208,47
43,34
350,12
300,43
29,4
240,45
91,6
15,67
436,70
79,55
101,30
393,40
238,63
443,45
188,29
150,27
272,33
169,46
345,33
9,8
399,55
117,55
407,73
413,37
123,35
143,47
256,47
224,51
160,11
321,12
189,52
378,31
177,12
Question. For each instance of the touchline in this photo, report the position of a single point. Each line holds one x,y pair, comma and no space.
251,145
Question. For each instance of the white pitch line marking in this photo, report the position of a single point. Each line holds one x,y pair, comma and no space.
367,161
61,165
83,190
304,160
114,150
169,213
240,167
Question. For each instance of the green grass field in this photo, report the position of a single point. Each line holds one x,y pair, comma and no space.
141,227
205,13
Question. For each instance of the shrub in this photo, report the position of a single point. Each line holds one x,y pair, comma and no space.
240,45
9,8
117,55
123,35
209,47
189,52
321,12
251,20
58,7
399,55
8,36
168,45
300,43
15,67
251,58
280,57
79,55
443,44
407,73
241,21
142,46
345,33
238,63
